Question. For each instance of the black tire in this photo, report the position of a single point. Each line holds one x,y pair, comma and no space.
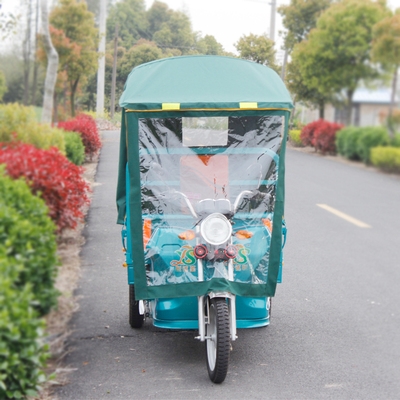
218,348
135,318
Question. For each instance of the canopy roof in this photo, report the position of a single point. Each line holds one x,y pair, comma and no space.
204,82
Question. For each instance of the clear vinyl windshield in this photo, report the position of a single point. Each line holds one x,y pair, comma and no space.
193,167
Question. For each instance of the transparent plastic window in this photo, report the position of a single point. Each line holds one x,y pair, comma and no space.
191,168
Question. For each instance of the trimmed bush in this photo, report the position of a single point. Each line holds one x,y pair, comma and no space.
307,133
294,137
324,136
395,142
86,126
74,148
50,175
18,123
27,271
22,356
347,142
27,236
386,158
371,137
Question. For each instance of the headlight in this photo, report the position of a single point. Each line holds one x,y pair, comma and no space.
216,229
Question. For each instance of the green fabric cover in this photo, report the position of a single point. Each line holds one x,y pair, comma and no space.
203,82
213,85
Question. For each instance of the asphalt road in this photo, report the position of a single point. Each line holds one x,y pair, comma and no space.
335,329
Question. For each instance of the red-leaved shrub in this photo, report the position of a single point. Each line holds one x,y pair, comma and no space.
50,175
307,133
86,126
324,136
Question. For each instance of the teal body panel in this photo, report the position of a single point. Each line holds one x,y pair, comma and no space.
182,312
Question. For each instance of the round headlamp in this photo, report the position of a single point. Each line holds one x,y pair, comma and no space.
216,229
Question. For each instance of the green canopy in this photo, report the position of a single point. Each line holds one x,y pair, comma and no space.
204,82
164,92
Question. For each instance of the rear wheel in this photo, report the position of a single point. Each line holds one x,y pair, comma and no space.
135,318
218,340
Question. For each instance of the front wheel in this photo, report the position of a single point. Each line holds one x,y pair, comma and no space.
135,318
218,340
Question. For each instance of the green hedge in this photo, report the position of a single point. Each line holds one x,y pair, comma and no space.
22,355
371,137
346,142
28,235
18,122
355,143
27,272
386,158
294,137
75,150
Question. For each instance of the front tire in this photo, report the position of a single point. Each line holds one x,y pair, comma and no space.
135,318
218,342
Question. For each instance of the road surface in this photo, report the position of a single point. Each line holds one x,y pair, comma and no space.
335,328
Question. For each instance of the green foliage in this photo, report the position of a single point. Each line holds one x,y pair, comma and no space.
74,148
27,236
299,17
355,143
386,44
143,52
386,158
130,16
336,55
257,48
209,45
19,123
347,142
22,356
371,137
80,61
294,137
27,271
396,140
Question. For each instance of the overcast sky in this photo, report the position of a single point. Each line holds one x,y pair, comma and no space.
228,20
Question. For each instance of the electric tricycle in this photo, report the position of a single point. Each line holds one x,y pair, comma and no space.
201,196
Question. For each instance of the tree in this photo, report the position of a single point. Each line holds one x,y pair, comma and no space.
307,94
176,33
78,25
299,17
130,16
386,50
144,51
209,45
52,65
257,48
8,22
336,55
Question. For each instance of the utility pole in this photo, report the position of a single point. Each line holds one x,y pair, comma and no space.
114,74
102,60
272,17
272,20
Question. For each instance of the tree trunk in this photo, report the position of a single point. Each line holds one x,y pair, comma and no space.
52,66
36,63
72,97
321,108
392,102
114,74
26,53
349,113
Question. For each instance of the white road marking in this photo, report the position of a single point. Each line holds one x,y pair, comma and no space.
344,216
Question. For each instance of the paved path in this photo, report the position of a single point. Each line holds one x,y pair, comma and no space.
335,331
